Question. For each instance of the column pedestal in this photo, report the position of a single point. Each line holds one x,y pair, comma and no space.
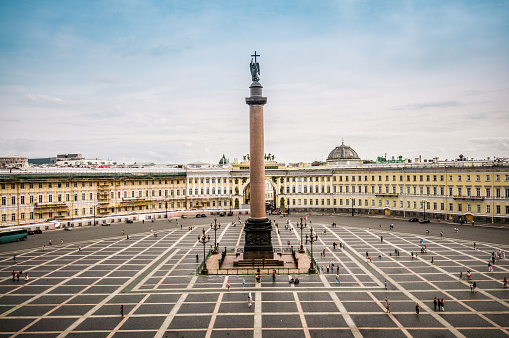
258,244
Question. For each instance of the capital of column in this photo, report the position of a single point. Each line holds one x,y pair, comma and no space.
256,97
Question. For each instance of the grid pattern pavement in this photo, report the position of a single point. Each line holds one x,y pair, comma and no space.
79,293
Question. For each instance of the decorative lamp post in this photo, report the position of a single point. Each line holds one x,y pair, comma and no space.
353,201
215,227
94,214
424,206
204,240
301,226
312,238
166,206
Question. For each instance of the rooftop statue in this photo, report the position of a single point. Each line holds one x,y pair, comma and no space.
255,68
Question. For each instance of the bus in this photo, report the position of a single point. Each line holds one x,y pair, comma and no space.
13,235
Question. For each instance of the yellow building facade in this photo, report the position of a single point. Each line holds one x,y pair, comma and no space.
453,190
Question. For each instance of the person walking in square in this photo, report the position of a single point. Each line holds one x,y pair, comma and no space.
442,304
386,302
243,283
249,299
461,275
122,310
14,259
432,261
389,308
505,282
385,283
435,303
26,276
417,308
228,286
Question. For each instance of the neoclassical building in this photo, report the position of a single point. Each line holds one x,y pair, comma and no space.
453,190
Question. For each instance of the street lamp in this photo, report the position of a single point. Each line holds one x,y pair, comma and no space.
424,206
166,206
215,227
204,240
312,238
94,214
301,226
353,202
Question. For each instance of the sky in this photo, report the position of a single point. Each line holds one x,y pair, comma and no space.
165,81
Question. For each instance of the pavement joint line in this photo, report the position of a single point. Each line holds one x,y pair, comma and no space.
169,318
346,315
356,261
278,236
440,319
225,282
346,268
214,315
124,319
120,288
146,278
240,237
257,315
301,315
41,293
391,316
192,282
443,271
170,270
58,285
222,233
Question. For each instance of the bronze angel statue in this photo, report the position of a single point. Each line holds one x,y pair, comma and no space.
255,70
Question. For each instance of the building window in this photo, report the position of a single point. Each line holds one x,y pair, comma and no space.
4,218
497,209
478,208
31,215
13,217
488,192
451,207
13,200
488,208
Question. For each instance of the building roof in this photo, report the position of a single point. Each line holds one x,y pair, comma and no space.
342,153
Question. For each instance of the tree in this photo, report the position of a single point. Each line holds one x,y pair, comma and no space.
282,202
236,203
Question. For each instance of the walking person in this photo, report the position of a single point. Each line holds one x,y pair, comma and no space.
15,259
385,283
26,276
461,275
442,304
197,258
122,310
50,242
228,286
435,304
337,278
79,248
243,283
474,246
474,286
249,299
417,308
386,302
17,276
389,308
505,282
13,275
432,261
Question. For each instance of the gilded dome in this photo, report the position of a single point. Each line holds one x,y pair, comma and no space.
342,153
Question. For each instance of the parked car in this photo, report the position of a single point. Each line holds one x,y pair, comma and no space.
31,232
424,221
413,219
198,215
184,216
129,221
203,215
38,231
68,228
222,214
106,224
230,213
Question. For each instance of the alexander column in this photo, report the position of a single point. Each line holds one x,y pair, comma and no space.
258,244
